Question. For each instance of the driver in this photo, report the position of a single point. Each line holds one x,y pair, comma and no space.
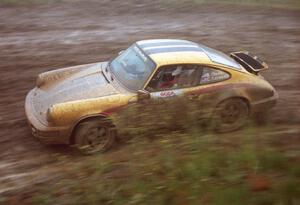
169,79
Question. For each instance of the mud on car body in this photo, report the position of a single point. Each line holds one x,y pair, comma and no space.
72,105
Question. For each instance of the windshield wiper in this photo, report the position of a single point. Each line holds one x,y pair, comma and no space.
104,73
108,69
105,76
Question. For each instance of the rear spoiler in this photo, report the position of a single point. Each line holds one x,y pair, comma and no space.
250,62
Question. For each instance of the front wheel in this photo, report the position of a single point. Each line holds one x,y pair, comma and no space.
230,115
94,136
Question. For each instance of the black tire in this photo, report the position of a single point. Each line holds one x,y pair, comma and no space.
230,115
94,136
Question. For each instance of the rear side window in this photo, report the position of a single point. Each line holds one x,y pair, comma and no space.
211,75
221,58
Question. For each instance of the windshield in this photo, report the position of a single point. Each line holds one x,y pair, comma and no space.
221,58
132,68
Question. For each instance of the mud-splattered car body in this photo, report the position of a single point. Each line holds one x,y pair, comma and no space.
64,98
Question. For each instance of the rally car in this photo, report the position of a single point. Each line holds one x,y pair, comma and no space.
73,105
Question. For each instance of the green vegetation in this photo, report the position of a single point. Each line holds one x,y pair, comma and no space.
159,163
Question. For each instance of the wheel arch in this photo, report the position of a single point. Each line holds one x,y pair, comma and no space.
84,119
243,98
241,93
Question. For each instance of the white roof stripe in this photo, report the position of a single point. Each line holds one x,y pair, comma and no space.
160,41
172,46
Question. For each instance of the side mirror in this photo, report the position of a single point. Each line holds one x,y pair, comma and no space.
120,52
143,95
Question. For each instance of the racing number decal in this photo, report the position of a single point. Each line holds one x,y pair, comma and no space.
167,94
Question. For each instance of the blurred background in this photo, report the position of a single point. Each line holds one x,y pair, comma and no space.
256,165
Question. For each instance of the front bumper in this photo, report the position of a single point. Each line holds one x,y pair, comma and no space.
46,134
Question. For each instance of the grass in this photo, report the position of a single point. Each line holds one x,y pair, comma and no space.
180,169
182,165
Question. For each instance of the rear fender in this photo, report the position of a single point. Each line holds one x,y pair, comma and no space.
212,96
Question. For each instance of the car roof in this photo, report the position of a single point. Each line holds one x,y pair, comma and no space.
174,51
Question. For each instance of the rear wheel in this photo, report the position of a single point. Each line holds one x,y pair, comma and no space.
230,115
94,136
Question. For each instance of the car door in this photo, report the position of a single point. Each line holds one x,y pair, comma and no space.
173,80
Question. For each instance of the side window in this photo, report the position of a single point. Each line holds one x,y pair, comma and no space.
211,75
174,77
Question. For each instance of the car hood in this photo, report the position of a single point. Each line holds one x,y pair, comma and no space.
71,84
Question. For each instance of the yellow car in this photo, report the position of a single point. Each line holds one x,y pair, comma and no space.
72,105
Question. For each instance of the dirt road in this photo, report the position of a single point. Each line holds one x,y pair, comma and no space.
37,38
